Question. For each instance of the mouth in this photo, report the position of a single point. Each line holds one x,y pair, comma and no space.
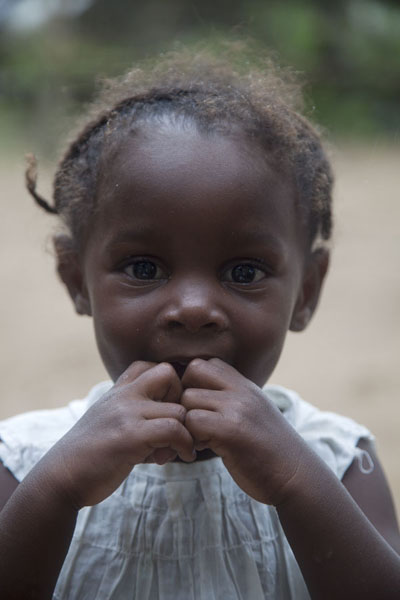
180,364
180,367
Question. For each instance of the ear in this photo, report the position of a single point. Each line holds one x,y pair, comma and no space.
307,301
70,272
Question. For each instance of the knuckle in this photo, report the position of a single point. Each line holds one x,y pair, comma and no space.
188,397
133,371
121,415
180,412
121,424
217,364
195,420
166,369
190,418
173,426
235,426
196,362
192,421
196,366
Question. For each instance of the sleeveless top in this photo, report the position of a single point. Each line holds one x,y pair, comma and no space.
181,531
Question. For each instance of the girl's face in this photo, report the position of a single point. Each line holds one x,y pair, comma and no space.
196,251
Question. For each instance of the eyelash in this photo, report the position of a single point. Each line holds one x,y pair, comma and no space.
132,262
244,267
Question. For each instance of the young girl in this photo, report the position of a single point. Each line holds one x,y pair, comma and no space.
197,210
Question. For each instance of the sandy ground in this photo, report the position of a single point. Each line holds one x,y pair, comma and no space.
347,361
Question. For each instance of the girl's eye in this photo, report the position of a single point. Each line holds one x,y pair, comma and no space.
244,273
144,270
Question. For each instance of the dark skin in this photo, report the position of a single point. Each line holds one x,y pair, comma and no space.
195,268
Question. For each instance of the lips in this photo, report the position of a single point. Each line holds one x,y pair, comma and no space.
180,364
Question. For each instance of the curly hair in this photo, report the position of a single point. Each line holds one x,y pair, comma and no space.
218,95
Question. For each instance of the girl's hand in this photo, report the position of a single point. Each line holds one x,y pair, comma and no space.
233,417
138,420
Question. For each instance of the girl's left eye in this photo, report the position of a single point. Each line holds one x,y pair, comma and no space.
244,273
144,270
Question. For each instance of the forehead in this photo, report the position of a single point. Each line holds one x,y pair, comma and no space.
226,182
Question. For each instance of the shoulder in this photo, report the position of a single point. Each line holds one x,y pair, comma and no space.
348,449
25,438
370,489
332,436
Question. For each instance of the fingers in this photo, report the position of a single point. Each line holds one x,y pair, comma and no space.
161,383
205,427
158,382
172,382
160,456
193,398
212,374
186,413
163,410
134,371
170,433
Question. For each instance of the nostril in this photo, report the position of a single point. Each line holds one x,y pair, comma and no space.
195,327
191,325
193,316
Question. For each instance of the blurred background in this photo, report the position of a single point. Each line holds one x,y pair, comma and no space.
52,54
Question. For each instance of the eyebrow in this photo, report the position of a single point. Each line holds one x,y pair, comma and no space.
129,235
258,237
274,243
254,239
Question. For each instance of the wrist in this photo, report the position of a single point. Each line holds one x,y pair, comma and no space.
309,475
49,485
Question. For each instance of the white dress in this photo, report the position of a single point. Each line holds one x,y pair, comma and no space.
180,531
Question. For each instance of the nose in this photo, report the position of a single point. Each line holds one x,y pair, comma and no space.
195,306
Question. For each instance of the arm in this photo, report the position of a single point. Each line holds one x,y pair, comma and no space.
138,420
8,484
372,494
36,526
340,552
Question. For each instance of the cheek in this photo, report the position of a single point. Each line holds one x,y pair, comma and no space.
263,334
119,330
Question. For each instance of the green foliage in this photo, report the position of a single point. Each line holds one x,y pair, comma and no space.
347,51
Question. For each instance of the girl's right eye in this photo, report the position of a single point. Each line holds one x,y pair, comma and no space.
143,270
